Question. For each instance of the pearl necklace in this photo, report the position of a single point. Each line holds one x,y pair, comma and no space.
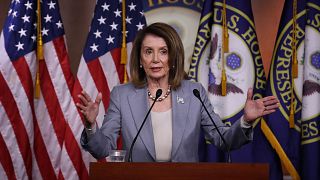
160,98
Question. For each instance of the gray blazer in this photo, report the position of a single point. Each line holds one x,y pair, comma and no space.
127,108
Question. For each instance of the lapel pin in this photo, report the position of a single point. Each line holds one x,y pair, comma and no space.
180,100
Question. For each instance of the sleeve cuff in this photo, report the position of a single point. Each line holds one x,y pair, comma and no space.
90,131
244,124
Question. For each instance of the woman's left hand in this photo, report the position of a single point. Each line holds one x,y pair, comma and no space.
256,108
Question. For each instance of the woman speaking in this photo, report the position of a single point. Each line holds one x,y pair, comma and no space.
172,130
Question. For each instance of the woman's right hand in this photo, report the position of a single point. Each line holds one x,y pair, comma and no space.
89,108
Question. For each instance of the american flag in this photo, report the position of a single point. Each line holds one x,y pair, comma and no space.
39,138
100,68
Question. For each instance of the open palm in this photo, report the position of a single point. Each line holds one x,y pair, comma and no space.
256,108
89,108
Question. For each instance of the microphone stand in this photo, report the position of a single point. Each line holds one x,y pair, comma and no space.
196,93
158,94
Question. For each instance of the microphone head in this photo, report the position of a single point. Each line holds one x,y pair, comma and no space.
158,93
196,93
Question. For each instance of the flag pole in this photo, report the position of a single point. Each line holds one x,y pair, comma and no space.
278,148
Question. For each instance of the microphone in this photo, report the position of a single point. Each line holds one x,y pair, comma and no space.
158,94
196,93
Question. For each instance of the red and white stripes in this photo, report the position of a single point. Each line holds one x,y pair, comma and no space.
40,137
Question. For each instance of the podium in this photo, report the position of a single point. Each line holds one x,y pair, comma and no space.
185,171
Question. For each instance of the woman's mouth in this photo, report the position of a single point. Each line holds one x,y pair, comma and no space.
155,69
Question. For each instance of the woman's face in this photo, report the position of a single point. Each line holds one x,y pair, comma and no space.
155,57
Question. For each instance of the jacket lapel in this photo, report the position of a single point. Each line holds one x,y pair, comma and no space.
180,110
139,106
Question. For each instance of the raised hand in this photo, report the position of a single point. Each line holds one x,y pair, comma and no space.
260,107
89,108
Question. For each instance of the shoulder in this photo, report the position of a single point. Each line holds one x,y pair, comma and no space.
190,85
128,85
124,88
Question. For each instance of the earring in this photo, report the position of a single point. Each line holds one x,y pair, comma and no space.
140,66
173,67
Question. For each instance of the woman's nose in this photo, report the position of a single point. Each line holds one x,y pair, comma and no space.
155,58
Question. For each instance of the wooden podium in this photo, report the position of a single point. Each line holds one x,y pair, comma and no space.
185,171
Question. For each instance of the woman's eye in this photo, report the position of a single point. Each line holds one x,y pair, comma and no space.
148,51
164,52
